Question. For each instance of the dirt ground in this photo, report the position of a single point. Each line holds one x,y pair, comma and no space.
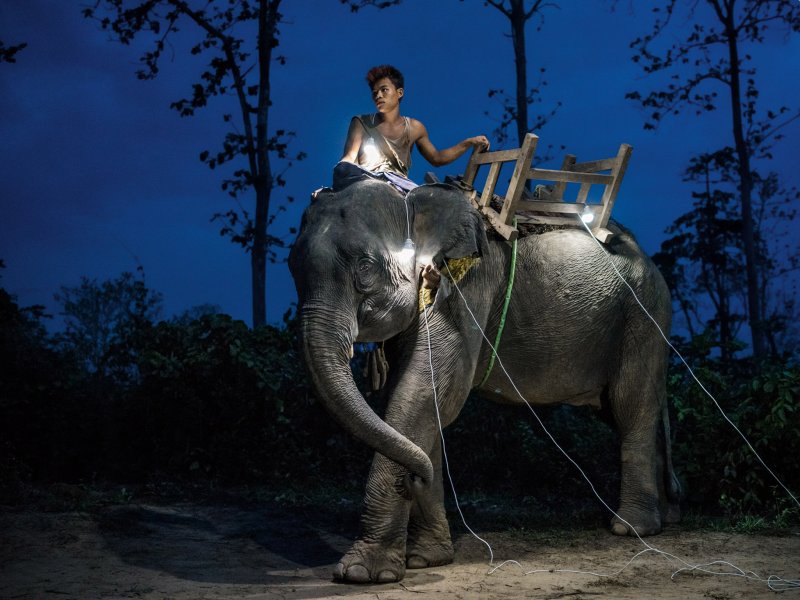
193,550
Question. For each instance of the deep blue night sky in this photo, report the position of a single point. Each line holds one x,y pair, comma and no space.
99,175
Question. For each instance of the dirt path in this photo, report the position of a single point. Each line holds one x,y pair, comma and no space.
197,550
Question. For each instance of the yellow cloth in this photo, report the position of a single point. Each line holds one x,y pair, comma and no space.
456,269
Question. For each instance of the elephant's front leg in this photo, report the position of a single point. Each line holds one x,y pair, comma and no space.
429,543
378,555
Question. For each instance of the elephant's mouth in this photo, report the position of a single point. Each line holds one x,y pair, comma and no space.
382,317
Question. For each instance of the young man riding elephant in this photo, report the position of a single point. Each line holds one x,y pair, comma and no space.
379,145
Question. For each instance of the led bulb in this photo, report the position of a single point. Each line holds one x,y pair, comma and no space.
587,216
408,249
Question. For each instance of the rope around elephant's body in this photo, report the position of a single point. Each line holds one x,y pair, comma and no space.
512,271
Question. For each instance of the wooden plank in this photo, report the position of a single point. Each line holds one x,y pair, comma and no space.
561,186
583,193
491,182
473,198
569,176
496,156
593,166
555,207
547,219
602,234
610,195
472,167
519,177
507,231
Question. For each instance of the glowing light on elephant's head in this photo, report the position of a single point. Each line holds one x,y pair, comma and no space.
406,253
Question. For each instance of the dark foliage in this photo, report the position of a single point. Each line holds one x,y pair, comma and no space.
204,399
502,450
200,397
721,474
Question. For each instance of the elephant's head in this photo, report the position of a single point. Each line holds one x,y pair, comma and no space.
355,283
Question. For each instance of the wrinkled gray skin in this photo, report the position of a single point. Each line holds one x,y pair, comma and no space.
573,334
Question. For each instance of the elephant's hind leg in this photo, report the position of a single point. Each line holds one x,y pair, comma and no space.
429,543
639,498
636,400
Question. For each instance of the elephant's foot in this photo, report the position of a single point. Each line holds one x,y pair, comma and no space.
422,557
645,522
371,562
429,543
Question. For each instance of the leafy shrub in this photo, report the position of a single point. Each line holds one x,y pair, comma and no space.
220,400
721,472
36,395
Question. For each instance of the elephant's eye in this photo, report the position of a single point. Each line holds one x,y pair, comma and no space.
366,274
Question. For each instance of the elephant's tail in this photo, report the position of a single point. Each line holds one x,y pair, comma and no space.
672,485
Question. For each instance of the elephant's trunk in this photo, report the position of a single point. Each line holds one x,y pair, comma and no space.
327,340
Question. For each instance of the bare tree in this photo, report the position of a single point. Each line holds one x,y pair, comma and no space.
709,58
518,15
236,67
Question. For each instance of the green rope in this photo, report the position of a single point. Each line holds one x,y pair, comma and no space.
511,272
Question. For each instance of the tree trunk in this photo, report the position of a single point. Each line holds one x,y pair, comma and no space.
262,178
754,312
520,62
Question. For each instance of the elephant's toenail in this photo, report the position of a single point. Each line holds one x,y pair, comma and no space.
386,577
619,529
357,574
338,571
416,562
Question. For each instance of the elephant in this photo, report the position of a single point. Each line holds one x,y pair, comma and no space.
573,334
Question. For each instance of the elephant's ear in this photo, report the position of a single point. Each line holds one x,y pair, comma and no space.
445,223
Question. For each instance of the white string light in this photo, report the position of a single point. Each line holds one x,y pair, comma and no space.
441,435
408,249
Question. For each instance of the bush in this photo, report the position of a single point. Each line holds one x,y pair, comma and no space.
722,474
219,400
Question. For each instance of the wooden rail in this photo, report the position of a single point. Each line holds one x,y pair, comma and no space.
551,207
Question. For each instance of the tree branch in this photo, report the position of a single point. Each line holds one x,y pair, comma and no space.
499,6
